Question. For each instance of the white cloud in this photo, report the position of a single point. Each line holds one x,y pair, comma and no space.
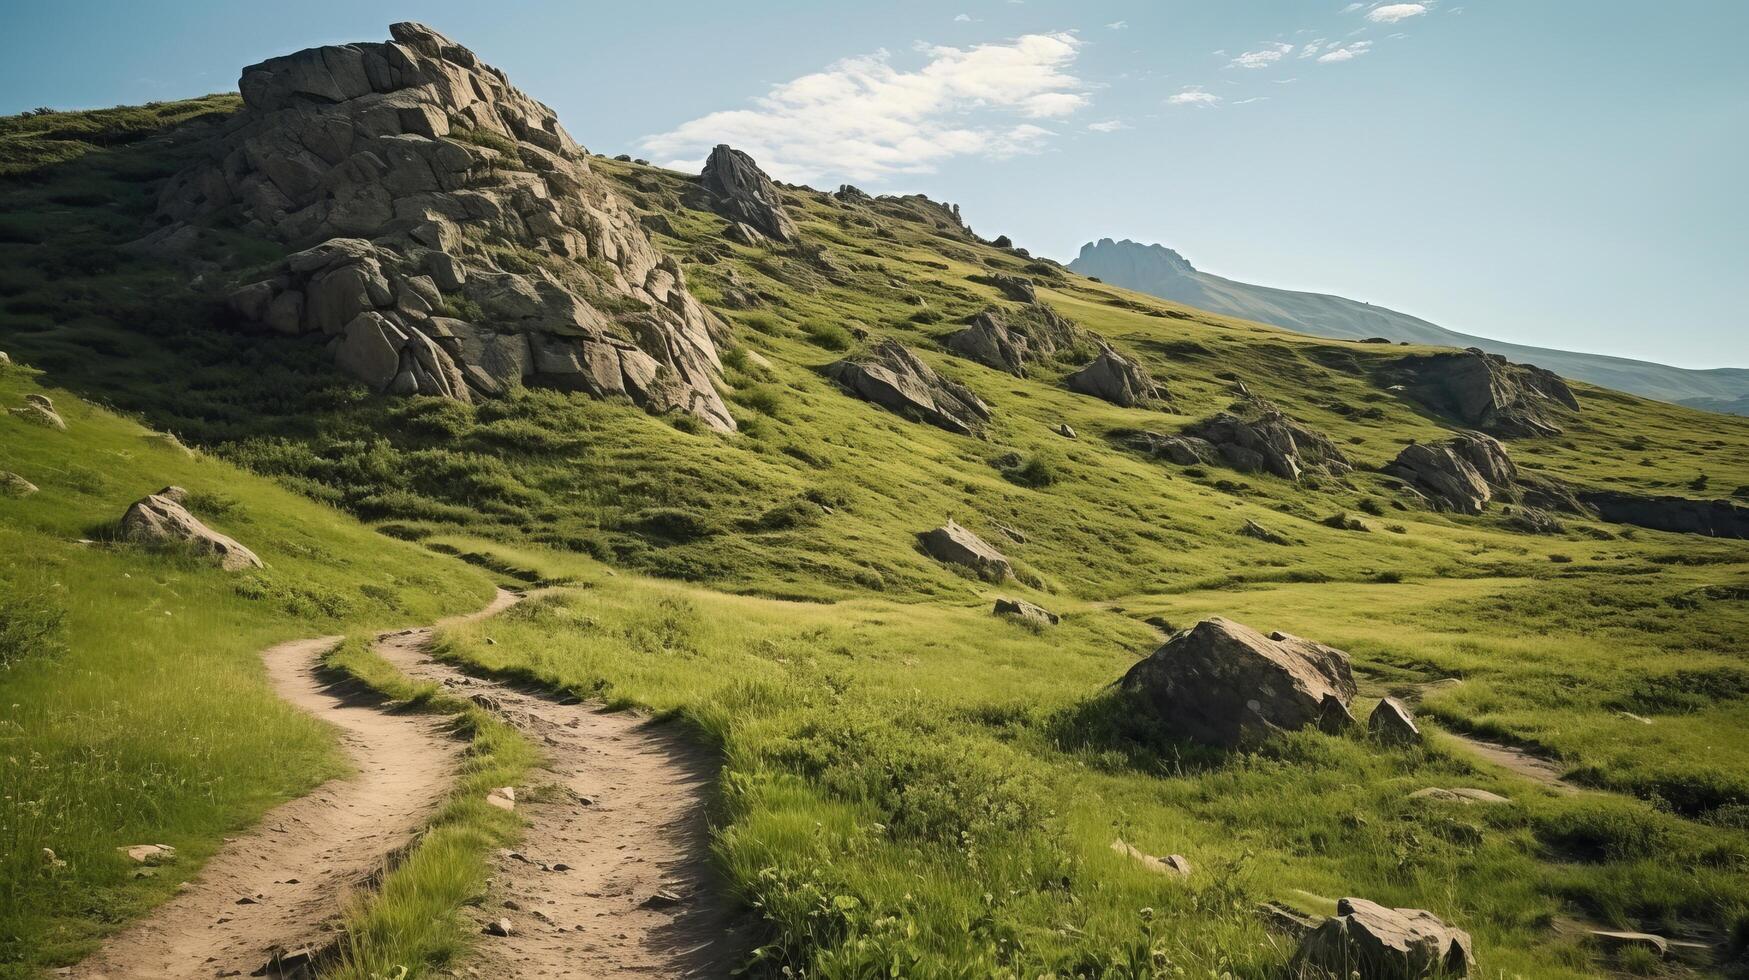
1345,52
962,18
1194,95
863,118
1117,25
1254,98
1312,47
1351,8
1390,13
1263,57
1108,126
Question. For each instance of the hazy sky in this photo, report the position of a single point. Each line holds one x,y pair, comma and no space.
1568,173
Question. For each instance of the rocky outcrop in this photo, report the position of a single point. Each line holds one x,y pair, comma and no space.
1488,392
1026,612
955,545
1223,683
1016,288
738,190
893,377
14,486
1444,476
452,239
1010,341
1391,721
1265,441
1371,941
40,410
1714,518
161,518
1183,450
1117,379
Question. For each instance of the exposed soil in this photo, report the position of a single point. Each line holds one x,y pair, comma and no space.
614,877
283,884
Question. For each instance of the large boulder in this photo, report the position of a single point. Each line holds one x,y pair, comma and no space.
40,410
412,182
1462,474
740,191
1011,340
1488,392
1223,683
1373,942
1267,441
1115,378
893,377
1026,612
955,545
162,518
1183,450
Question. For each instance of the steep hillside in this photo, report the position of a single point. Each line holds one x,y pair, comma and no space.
910,784
1159,271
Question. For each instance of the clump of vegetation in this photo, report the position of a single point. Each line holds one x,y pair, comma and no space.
33,623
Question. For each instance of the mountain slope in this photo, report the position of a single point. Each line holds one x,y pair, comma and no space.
909,784
1160,271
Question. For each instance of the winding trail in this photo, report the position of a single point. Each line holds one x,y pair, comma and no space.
1516,759
614,877
282,885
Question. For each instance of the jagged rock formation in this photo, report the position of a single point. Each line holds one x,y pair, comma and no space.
1714,518
1488,392
1016,288
162,518
1391,721
1366,939
40,410
1117,379
955,545
454,239
1463,473
1183,450
893,377
1263,440
738,190
1009,341
1223,683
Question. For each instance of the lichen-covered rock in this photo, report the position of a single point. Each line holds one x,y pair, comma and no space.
1010,341
1373,942
1461,474
738,190
1225,684
1265,440
1488,392
40,410
956,545
1115,378
893,377
415,181
1026,612
162,518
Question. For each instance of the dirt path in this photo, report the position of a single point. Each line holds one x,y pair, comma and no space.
1512,758
614,876
282,884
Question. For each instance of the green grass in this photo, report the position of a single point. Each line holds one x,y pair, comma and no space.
911,784
133,705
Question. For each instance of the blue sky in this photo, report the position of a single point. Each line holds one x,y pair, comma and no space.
1559,172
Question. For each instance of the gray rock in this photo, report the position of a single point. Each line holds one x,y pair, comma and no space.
370,350
891,376
1265,440
1463,795
161,518
1379,943
1225,684
1462,474
1488,392
14,486
1115,378
1063,429
1252,529
955,545
741,192
1009,341
40,410
1714,518
1391,721
1183,450
1027,612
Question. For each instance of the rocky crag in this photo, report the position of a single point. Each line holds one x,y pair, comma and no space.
450,236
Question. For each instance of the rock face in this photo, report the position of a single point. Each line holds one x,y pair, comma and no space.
1026,612
1377,943
161,518
1488,392
1115,378
955,545
1009,341
1264,440
1714,518
40,410
1183,450
893,377
740,191
1461,474
1225,684
418,183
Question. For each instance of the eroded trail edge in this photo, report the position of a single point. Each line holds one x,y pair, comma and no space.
282,885
614,875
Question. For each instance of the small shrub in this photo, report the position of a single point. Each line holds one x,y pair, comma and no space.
32,625
831,336
1561,559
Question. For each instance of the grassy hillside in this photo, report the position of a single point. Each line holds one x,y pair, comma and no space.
913,786
133,703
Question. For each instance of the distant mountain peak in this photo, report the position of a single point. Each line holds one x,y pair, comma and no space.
1154,253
